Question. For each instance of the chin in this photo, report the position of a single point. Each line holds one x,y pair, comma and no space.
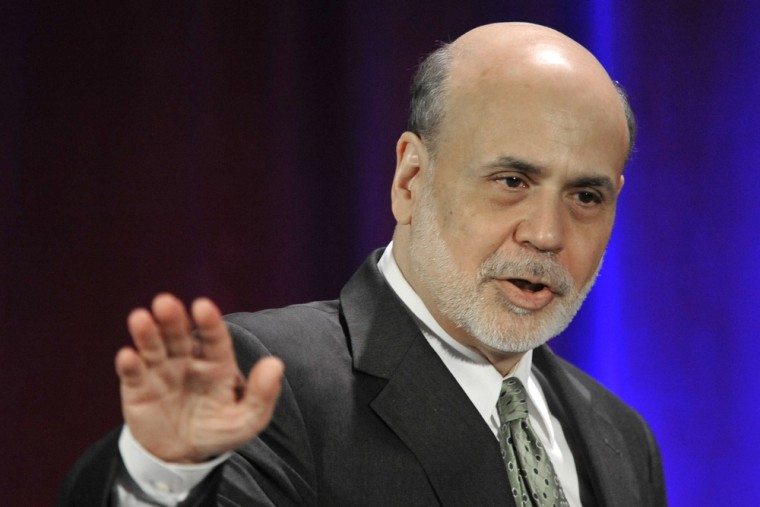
508,345
517,332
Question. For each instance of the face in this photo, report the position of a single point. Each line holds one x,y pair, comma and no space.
509,229
479,303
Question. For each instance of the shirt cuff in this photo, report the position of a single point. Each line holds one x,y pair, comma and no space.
162,481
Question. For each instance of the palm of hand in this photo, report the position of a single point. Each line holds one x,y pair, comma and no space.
183,396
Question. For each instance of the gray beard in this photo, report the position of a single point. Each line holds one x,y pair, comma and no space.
476,304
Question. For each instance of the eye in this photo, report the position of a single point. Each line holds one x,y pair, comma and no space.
589,198
513,181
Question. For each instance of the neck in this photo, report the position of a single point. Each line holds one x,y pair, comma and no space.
504,362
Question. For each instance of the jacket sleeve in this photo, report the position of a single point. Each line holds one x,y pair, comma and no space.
89,482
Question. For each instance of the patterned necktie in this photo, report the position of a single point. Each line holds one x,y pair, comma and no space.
531,474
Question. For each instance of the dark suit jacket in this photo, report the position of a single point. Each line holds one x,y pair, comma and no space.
370,416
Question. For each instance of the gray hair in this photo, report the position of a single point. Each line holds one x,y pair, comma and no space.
429,91
630,118
427,101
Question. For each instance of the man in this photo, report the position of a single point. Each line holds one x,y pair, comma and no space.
504,194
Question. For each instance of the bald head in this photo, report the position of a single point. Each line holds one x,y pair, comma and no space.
503,45
518,55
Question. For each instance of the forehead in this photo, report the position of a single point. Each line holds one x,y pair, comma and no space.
549,113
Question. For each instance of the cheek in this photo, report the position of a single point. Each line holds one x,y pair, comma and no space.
473,235
583,255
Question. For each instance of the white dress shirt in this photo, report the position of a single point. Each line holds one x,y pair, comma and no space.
168,484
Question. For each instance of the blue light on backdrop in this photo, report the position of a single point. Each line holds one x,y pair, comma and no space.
674,316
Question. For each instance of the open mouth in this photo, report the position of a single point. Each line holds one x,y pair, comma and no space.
526,294
527,285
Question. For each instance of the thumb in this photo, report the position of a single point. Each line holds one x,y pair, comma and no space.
263,389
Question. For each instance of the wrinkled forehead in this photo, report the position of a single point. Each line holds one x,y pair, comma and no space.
551,101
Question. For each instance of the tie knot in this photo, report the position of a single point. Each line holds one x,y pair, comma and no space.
512,404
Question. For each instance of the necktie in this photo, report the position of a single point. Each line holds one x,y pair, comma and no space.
531,474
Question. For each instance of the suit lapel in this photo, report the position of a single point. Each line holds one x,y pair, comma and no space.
422,402
600,446
430,413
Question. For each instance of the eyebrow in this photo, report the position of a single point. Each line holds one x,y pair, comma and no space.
509,162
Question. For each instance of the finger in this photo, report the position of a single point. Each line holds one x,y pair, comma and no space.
215,341
263,389
174,325
146,336
129,367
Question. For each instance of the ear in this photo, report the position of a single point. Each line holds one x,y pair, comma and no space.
411,162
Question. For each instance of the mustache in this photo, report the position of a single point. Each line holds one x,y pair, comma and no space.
539,269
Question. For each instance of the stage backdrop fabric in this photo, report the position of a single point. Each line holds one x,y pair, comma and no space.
243,150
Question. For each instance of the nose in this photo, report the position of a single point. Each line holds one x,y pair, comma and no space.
542,228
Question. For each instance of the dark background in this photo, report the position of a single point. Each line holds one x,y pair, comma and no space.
243,150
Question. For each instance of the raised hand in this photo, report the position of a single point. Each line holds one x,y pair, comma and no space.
183,395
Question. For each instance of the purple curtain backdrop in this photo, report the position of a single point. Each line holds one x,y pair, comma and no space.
243,150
